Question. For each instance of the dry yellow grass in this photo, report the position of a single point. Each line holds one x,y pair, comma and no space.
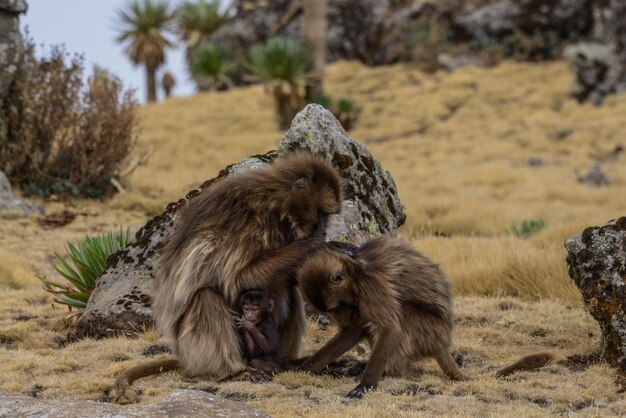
464,181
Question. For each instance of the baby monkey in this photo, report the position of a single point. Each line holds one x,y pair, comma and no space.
259,334
384,292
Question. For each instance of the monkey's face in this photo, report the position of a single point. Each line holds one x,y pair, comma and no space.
255,304
327,281
254,309
315,193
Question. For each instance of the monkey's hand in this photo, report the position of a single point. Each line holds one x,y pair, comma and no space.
359,391
251,375
245,324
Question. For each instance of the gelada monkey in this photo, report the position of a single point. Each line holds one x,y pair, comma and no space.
384,292
388,293
259,334
247,231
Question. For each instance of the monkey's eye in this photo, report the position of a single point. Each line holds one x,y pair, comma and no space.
336,277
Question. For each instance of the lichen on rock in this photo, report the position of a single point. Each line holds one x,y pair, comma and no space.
597,264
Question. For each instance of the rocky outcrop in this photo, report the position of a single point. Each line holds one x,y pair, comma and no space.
121,300
598,71
10,41
181,403
367,30
599,66
503,17
379,32
9,202
597,264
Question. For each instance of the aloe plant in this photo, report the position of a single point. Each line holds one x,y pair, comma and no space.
284,64
211,67
88,260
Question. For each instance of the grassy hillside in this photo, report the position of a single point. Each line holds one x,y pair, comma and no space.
458,145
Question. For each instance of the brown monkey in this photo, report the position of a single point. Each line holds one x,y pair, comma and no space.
249,230
258,331
387,293
363,288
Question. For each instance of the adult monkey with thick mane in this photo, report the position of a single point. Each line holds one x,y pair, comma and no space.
250,230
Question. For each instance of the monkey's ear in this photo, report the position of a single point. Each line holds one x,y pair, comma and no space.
270,304
301,183
336,277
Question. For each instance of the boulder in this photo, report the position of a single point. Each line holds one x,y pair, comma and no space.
10,41
121,301
181,403
597,263
8,201
599,65
598,70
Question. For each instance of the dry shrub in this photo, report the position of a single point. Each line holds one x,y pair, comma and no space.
59,136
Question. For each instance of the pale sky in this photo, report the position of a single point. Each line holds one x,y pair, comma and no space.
88,27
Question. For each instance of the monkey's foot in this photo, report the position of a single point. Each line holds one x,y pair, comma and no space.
343,368
252,376
295,364
359,391
127,395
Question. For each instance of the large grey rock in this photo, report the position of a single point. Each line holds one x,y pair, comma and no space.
599,66
372,205
181,403
598,71
121,301
10,41
8,201
597,264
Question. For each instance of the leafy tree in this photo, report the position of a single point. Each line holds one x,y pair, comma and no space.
142,28
197,19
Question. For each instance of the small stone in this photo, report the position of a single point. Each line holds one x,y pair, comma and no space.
595,177
35,390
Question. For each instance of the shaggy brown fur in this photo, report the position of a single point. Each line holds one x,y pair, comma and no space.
387,293
124,393
250,230
530,362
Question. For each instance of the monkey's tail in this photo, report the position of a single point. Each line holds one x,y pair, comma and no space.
124,394
530,362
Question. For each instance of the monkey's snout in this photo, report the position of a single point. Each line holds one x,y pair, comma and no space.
320,227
